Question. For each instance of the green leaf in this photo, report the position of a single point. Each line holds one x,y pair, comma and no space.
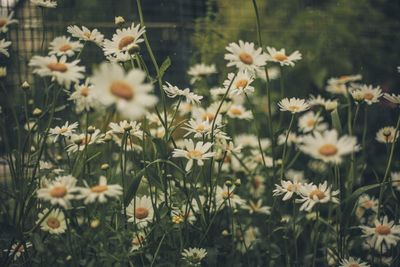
133,186
336,121
164,66
162,147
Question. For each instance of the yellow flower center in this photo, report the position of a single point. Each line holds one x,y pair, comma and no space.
310,122
236,111
60,67
125,41
354,265
63,130
290,188
256,183
318,193
328,150
294,108
194,154
367,204
368,96
208,116
246,58
58,191
84,91
382,229
65,48
122,90
280,57
99,188
141,213
138,240
343,78
3,22
53,223
177,219
200,128
87,35
241,83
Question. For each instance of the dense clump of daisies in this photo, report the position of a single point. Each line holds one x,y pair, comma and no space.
102,170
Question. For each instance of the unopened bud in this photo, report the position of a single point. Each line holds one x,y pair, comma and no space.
387,132
128,128
37,112
119,20
91,129
94,223
133,49
238,182
225,232
59,158
107,138
26,86
228,183
105,166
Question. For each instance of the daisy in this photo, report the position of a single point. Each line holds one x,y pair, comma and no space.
53,222
393,98
251,140
247,240
273,73
396,180
138,240
182,214
44,3
173,91
127,91
257,186
100,192
327,146
336,88
345,79
280,56
86,35
257,207
60,191
62,45
384,233
387,135
226,195
17,249
194,256
59,69
312,194
66,130
193,152
320,101
353,262
239,112
287,188
122,41
130,127
245,56
84,97
199,128
368,93
310,122
140,211
80,141
6,19
294,105
200,71
240,84
366,203
3,47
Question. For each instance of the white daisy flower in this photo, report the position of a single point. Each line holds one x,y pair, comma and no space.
199,71
140,211
6,20
327,146
17,249
173,91
45,165
345,79
295,176
86,35
132,127
209,113
84,97
241,83
60,70
226,194
352,262
387,135
311,122
273,73
257,186
366,203
127,91
54,223
393,98
385,233
245,56
80,141
280,56
287,188
257,207
62,45
246,241
251,140
138,240
294,105
198,127
336,88
100,192
60,191
3,47
119,20
328,104
239,112
396,180
369,93
312,194
44,3
66,130
194,256
122,41
182,214
194,152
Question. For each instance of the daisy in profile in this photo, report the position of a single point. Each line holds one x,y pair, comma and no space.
44,3
239,112
368,93
327,146
280,56
226,195
86,35
199,71
84,97
122,41
66,130
241,83
293,105
60,191
62,45
6,20
140,211
387,135
194,152
392,98
328,104
138,240
352,262
311,122
338,85
100,192
173,91
312,194
80,141
384,233
128,92
59,70
200,113
245,56
395,176
54,222
194,256
257,207
3,47
199,128
287,188
130,127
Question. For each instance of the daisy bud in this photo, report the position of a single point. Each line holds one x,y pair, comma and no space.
235,211
94,223
133,49
68,258
37,112
331,105
225,232
78,141
59,157
228,183
3,72
119,20
31,102
104,166
387,132
128,127
238,182
26,86
91,129
108,138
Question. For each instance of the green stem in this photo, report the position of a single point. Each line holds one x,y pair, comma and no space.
285,146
